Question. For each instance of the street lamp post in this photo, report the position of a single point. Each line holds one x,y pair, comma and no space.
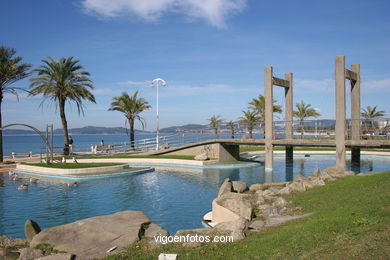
164,84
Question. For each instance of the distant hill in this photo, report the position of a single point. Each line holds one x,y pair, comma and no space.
184,128
75,131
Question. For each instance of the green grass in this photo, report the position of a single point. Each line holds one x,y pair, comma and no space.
182,157
244,149
351,220
73,165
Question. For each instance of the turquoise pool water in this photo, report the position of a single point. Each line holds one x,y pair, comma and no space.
175,198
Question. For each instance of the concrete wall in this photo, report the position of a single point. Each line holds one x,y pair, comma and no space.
53,171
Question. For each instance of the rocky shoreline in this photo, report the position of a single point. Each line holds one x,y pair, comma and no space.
236,210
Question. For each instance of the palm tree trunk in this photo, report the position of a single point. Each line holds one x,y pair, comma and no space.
232,133
250,130
302,128
64,126
1,130
132,136
216,132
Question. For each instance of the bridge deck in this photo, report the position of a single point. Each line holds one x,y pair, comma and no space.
281,142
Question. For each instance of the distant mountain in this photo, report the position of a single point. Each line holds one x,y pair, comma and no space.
185,128
76,131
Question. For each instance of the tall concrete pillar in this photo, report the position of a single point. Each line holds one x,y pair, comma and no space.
288,94
355,116
269,129
340,111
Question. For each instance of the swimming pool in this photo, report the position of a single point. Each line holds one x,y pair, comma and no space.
174,198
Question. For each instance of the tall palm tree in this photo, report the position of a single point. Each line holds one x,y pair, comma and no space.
214,122
250,118
131,107
232,126
258,105
60,81
304,111
370,114
11,70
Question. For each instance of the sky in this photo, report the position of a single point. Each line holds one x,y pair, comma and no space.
212,54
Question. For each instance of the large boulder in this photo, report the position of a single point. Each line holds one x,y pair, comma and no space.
241,207
316,173
297,187
299,177
239,186
29,254
236,228
58,257
152,233
226,187
93,237
31,228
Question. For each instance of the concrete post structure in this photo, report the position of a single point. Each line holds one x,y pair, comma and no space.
341,74
340,111
287,83
269,120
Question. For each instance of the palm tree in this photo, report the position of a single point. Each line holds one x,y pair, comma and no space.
11,70
258,105
250,118
214,122
232,126
131,107
60,81
304,111
370,114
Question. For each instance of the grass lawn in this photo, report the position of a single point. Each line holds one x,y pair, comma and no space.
182,157
351,220
73,165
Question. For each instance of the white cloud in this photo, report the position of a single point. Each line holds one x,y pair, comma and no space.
376,86
215,12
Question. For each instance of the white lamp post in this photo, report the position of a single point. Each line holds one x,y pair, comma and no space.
164,84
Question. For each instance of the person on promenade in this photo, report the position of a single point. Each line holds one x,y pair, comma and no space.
70,145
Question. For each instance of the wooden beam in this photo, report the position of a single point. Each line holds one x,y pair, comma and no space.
280,82
351,75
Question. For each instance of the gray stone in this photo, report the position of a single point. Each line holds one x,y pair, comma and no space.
201,157
256,187
349,173
297,187
58,257
29,254
317,182
316,173
226,187
285,191
259,192
241,207
275,189
334,171
91,238
257,225
31,228
239,186
299,177
268,193
326,177
279,203
152,232
260,199
191,244
236,228
307,184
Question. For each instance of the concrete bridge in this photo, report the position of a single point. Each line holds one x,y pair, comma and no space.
227,150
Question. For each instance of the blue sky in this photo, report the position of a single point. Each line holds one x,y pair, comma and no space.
211,52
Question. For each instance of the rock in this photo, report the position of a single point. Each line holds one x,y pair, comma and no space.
241,207
257,225
3,252
239,186
275,189
296,187
317,182
201,157
285,191
299,177
361,174
349,173
268,193
307,184
256,187
91,238
58,257
260,199
152,232
326,177
29,254
279,203
191,244
226,187
236,227
259,192
334,171
31,228
316,173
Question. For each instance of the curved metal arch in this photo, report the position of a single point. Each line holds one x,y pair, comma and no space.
33,128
